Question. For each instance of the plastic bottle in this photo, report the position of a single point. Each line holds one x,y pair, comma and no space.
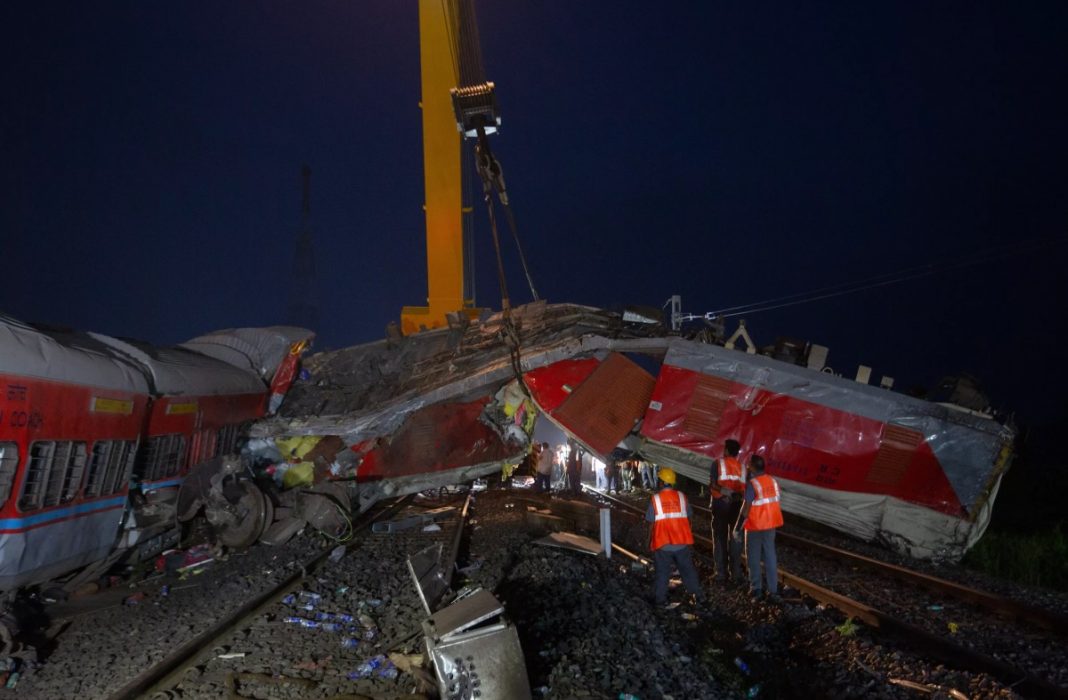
367,668
389,673
753,692
309,624
343,617
289,599
313,597
293,620
350,643
742,666
331,627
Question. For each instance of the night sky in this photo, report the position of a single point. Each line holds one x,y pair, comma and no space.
727,152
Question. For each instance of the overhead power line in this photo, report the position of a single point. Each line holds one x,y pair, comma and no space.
988,255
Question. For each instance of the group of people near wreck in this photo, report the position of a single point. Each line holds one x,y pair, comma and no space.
744,500
561,470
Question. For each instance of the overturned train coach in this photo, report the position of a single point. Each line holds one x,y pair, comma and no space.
444,406
97,435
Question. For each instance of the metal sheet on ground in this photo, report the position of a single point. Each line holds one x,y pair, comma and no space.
488,662
569,540
465,614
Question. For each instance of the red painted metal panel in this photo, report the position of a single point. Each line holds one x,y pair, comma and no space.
435,438
551,385
605,407
801,441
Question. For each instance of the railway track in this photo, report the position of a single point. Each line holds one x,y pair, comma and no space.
212,664
186,656
963,626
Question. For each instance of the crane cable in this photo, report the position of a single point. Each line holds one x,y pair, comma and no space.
470,71
490,173
467,62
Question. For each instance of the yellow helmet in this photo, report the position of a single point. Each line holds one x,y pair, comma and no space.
667,475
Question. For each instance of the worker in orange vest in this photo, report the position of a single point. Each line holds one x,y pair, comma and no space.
727,486
759,518
671,538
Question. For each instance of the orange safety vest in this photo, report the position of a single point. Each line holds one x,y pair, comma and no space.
764,511
671,524
730,476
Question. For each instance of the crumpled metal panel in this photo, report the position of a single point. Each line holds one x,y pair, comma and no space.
488,662
467,612
436,438
425,569
551,386
369,390
603,409
177,371
258,349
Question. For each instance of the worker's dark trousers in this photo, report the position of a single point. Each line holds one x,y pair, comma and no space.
574,478
724,515
541,482
760,546
664,559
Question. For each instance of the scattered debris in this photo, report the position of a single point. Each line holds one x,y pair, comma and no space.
569,540
847,628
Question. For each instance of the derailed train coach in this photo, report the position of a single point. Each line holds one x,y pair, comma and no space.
917,476
97,435
436,408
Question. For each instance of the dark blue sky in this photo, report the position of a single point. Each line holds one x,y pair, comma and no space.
727,152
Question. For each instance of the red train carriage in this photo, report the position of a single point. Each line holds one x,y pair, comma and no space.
71,414
83,416
199,406
919,476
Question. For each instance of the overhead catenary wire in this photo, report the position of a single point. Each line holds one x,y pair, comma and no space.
993,254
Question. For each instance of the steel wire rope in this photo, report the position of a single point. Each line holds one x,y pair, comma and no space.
472,73
452,39
519,246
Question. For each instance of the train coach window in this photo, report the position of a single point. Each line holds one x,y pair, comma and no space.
72,476
36,475
163,457
109,467
53,474
227,442
9,461
64,470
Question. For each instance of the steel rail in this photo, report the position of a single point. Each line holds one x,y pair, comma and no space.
1047,619
168,671
1051,620
931,644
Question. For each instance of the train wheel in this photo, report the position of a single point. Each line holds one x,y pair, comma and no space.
244,519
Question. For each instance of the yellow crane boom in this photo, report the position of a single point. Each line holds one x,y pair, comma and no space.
441,170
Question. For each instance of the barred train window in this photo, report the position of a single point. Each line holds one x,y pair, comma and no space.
227,440
54,473
164,456
109,467
9,462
